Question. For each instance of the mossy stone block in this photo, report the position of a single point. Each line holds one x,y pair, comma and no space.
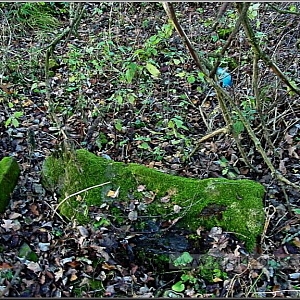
9,173
234,205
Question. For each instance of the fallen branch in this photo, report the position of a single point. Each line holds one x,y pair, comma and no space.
206,137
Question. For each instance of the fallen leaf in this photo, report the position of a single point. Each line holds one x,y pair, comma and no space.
165,199
113,194
14,215
5,266
177,208
132,216
282,167
59,274
11,224
296,242
141,188
33,266
217,279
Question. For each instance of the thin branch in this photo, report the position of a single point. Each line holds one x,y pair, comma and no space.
230,38
77,193
256,48
206,137
67,32
204,66
284,11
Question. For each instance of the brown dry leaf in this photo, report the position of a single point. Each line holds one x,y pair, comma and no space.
296,242
59,274
107,266
172,191
199,230
113,194
282,167
5,266
34,209
213,147
255,264
74,264
149,197
42,279
73,277
292,151
289,139
236,251
100,250
27,103
6,88
217,279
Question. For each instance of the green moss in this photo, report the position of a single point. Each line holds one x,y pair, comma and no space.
240,200
9,173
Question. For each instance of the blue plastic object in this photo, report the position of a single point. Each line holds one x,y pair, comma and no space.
224,77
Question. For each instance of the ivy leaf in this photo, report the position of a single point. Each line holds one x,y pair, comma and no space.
178,286
184,259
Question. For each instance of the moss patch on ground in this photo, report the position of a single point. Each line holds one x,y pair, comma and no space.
9,173
234,205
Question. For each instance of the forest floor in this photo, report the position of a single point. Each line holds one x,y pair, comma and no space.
126,87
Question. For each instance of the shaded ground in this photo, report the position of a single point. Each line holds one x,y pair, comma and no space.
155,122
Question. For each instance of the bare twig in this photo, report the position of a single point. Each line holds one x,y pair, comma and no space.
79,192
206,137
284,11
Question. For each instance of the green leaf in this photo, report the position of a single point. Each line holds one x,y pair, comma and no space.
191,79
152,70
15,122
238,127
201,76
171,124
179,123
184,259
33,86
144,145
26,252
18,114
118,125
72,79
293,8
176,61
7,122
130,72
296,211
178,286
181,74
